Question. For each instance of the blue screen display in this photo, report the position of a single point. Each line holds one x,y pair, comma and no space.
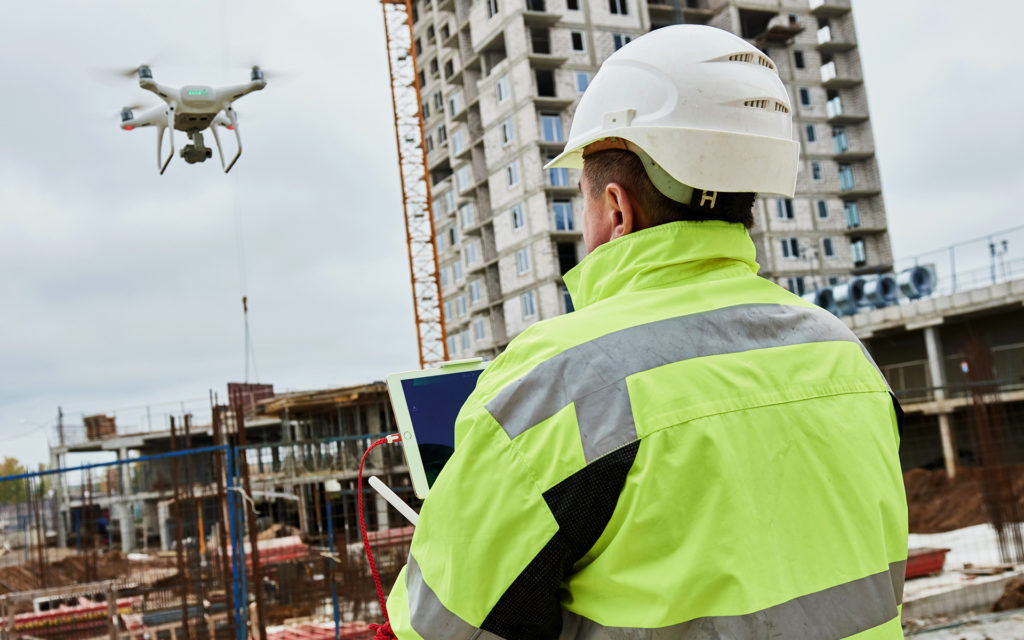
434,403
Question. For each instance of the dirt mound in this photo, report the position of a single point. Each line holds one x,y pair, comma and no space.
936,503
1013,596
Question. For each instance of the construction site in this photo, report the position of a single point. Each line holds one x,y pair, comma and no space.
243,516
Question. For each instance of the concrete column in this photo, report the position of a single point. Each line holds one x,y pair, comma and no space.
163,517
126,515
933,344
58,500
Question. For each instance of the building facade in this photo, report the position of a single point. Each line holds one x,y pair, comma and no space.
500,80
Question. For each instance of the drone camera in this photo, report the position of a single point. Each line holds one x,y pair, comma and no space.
256,75
126,114
144,72
193,154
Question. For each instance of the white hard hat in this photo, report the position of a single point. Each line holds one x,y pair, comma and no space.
703,105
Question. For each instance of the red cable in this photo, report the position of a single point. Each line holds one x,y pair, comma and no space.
383,631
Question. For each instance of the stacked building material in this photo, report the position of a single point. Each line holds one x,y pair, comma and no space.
99,426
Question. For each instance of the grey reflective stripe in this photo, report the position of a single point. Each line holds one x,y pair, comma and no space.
430,618
833,613
590,372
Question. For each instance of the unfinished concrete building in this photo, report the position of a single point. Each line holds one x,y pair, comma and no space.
500,80
294,443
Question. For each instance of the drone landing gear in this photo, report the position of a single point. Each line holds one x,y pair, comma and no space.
196,152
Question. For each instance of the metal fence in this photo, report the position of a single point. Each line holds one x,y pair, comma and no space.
966,531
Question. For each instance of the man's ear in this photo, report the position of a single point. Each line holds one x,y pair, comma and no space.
620,207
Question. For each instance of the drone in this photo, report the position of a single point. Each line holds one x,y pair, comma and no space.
192,109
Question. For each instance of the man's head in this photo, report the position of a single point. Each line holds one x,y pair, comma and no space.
706,115
619,198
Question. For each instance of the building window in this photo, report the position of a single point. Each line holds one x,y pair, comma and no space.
448,309
829,250
430,143
563,215
582,81
526,301
567,300
512,174
795,285
839,142
816,171
523,260
435,70
465,341
492,8
558,176
859,253
577,40
466,215
451,344
438,101
852,214
449,68
455,102
790,248
479,329
508,132
419,47
805,96
572,5
551,127
620,40
833,281
784,206
453,236
618,7
822,209
798,59
501,88
845,177
457,142
460,306
457,271
423,78
517,217
470,253
462,179
446,32
811,134
442,134
474,292
449,203
444,277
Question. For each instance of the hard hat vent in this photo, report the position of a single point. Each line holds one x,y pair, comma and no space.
753,58
767,105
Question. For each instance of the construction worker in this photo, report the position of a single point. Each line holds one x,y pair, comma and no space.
694,452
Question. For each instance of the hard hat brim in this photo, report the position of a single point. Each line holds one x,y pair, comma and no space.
705,159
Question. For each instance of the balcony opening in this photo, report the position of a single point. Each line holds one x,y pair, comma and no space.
535,5
540,41
566,256
545,83
492,54
753,23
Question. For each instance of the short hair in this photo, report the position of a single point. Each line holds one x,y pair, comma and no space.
626,169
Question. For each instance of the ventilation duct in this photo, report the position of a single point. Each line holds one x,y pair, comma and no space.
882,291
916,282
849,296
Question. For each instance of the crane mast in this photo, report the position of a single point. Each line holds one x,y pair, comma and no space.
412,163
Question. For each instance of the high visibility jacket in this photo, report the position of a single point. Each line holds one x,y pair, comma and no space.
693,453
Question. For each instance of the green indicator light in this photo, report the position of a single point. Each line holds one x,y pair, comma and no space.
197,92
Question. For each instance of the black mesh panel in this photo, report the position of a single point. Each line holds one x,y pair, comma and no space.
582,504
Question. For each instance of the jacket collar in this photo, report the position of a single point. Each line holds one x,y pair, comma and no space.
661,256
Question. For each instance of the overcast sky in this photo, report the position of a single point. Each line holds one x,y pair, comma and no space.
120,288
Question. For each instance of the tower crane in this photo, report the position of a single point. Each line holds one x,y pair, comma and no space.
415,177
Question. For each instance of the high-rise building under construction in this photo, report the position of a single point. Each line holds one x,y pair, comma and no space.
500,80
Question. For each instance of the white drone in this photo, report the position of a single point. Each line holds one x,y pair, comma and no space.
191,109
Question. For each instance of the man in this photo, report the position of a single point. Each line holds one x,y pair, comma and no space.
694,452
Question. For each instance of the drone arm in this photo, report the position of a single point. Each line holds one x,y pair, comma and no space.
164,92
232,93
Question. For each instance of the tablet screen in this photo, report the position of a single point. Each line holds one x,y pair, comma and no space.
434,402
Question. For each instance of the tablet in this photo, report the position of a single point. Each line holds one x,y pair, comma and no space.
426,404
